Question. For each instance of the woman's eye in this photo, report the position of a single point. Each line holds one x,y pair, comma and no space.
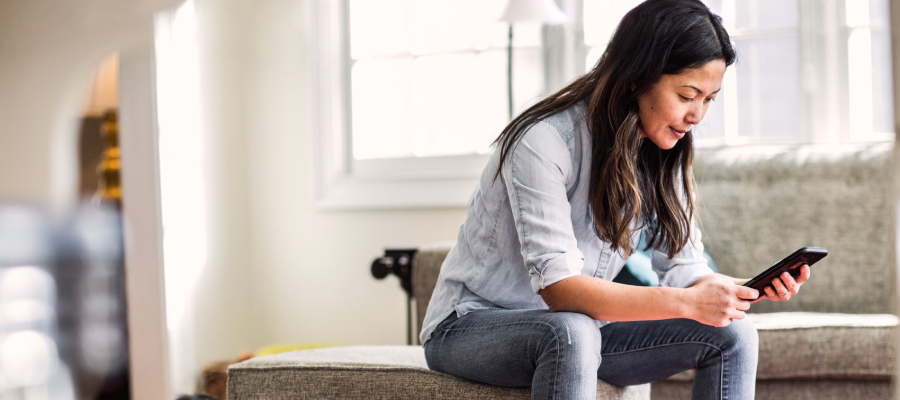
710,99
685,98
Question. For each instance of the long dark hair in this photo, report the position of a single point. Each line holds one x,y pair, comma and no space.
633,179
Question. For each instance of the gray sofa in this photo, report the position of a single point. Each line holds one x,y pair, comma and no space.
836,340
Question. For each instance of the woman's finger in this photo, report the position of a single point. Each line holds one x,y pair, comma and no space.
770,293
783,292
789,282
805,271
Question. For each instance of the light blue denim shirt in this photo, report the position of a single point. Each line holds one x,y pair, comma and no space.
533,227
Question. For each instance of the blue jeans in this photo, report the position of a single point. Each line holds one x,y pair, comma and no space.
561,355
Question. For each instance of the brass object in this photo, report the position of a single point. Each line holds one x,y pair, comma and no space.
110,189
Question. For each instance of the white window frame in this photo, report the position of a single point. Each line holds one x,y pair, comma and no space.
342,183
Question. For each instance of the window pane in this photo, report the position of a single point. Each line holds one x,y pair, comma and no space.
713,124
601,17
880,11
488,104
882,81
446,92
593,57
859,73
870,82
766,14
768,86
856,13
528,82
378,28
420,27
441,26
442,87
380,101
715,6
493,34
437,105
459,100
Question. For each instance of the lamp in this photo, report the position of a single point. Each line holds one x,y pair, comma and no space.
528,11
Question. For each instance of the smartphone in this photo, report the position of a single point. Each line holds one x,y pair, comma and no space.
791,264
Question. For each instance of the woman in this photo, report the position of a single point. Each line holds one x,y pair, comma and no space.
526,297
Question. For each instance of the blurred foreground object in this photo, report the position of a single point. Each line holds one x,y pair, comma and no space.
110,188
62,304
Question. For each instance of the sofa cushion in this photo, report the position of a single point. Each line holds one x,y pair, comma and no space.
802,345
371,372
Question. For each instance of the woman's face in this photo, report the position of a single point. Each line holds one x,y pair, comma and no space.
677,102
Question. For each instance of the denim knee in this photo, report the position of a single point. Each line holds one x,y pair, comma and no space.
577,336
741,335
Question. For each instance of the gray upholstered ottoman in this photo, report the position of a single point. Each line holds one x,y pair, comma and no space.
371,372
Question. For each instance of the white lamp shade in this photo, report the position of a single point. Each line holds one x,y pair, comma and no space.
541,11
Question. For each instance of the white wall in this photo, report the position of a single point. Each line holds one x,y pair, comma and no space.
223,322
310,268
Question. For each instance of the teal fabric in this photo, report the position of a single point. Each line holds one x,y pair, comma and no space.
639,272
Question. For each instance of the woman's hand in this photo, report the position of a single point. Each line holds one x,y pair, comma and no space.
716,300
785,285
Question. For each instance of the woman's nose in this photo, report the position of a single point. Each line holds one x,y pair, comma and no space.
694,115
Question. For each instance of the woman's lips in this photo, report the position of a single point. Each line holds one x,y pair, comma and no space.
678,134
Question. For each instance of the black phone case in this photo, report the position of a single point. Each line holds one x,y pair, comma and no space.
791,263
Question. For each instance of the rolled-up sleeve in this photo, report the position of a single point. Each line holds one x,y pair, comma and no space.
686,267
535,175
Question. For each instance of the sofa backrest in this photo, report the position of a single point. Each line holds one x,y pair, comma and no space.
426,267
757,204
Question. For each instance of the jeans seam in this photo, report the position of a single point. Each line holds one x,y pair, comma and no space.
556,365
501,325
722,376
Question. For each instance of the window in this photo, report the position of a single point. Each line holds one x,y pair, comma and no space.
408,96
806,72
868,37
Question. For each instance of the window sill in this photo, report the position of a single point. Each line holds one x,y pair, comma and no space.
354,193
